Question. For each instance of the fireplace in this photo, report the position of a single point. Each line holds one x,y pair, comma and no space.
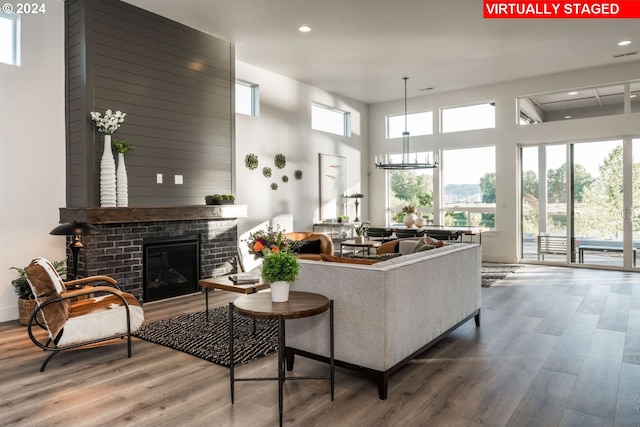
118,249
171,267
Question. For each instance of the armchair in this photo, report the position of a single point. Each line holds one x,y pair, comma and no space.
77,314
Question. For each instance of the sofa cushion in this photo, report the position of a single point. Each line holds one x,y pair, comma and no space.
331,258
379,257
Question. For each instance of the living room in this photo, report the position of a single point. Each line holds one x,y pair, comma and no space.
34,128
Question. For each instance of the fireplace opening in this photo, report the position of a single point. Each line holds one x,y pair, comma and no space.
171,266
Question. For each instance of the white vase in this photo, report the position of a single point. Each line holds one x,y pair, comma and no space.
359,240
280,291
107,175
409,220
419,222
122,184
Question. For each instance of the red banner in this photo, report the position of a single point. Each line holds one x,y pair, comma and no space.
562,9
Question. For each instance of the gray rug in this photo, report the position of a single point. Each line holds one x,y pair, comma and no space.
191,334
491,272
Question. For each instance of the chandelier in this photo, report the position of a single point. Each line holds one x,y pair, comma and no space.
383,161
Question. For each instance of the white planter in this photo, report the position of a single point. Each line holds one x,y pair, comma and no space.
107,175
280,291
359,239
122,183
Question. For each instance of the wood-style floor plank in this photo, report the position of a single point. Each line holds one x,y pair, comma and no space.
557,347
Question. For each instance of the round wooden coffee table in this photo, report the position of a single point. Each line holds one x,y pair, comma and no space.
260,306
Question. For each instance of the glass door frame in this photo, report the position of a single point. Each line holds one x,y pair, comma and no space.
627,213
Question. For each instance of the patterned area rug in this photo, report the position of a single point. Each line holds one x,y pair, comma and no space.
192,334
494,271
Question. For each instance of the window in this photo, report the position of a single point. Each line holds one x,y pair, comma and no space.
411,187
469,187
330,120
9,38
469,117
577,103
247,99
417,124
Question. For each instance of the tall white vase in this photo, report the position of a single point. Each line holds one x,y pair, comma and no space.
122,183
107,175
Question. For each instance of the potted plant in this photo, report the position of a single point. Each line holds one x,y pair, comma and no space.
360,230
410,216
220,199
280,269
26,299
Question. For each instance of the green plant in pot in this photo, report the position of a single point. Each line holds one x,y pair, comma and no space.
280,269
26,300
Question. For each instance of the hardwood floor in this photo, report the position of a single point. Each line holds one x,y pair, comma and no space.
557,347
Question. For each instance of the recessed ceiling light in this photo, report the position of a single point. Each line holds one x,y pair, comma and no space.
567,117
304,29
632,96
573,93
624,43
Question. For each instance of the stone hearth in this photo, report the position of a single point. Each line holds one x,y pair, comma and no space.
117,251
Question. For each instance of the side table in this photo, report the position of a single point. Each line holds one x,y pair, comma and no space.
367,244
224,284
260,306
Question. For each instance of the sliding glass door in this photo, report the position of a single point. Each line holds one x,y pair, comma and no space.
581,203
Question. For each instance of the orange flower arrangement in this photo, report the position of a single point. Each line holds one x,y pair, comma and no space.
271,240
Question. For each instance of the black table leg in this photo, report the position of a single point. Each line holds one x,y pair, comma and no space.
331,349
231,362
206,303
281,366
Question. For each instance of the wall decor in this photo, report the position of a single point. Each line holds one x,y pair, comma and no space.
333,185
274,186
251,161
285,178
298,174
266,171
280,161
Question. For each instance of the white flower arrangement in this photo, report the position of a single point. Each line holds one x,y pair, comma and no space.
110,122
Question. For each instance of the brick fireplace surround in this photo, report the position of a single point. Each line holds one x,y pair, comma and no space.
117,251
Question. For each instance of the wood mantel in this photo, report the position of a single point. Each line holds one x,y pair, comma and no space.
143,214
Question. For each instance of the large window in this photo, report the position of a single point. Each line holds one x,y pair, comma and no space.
417,124
330,120
468,117
9,38
411,187
469,187
247,98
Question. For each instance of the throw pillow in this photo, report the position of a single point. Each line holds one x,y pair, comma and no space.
422,246
332,258
434,242
305,246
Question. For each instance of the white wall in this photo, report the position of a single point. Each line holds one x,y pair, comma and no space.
32,140
501,245
284,126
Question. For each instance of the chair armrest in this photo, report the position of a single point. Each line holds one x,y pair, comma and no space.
76,282
88,290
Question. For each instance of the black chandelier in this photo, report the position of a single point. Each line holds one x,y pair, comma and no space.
383,162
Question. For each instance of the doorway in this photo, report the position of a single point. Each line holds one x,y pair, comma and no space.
580,203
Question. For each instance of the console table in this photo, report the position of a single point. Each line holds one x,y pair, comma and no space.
260,306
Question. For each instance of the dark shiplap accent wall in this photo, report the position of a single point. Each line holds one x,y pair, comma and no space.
175,84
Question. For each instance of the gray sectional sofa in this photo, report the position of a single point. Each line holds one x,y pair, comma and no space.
390,312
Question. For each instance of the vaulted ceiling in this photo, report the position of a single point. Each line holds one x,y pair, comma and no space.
362,48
